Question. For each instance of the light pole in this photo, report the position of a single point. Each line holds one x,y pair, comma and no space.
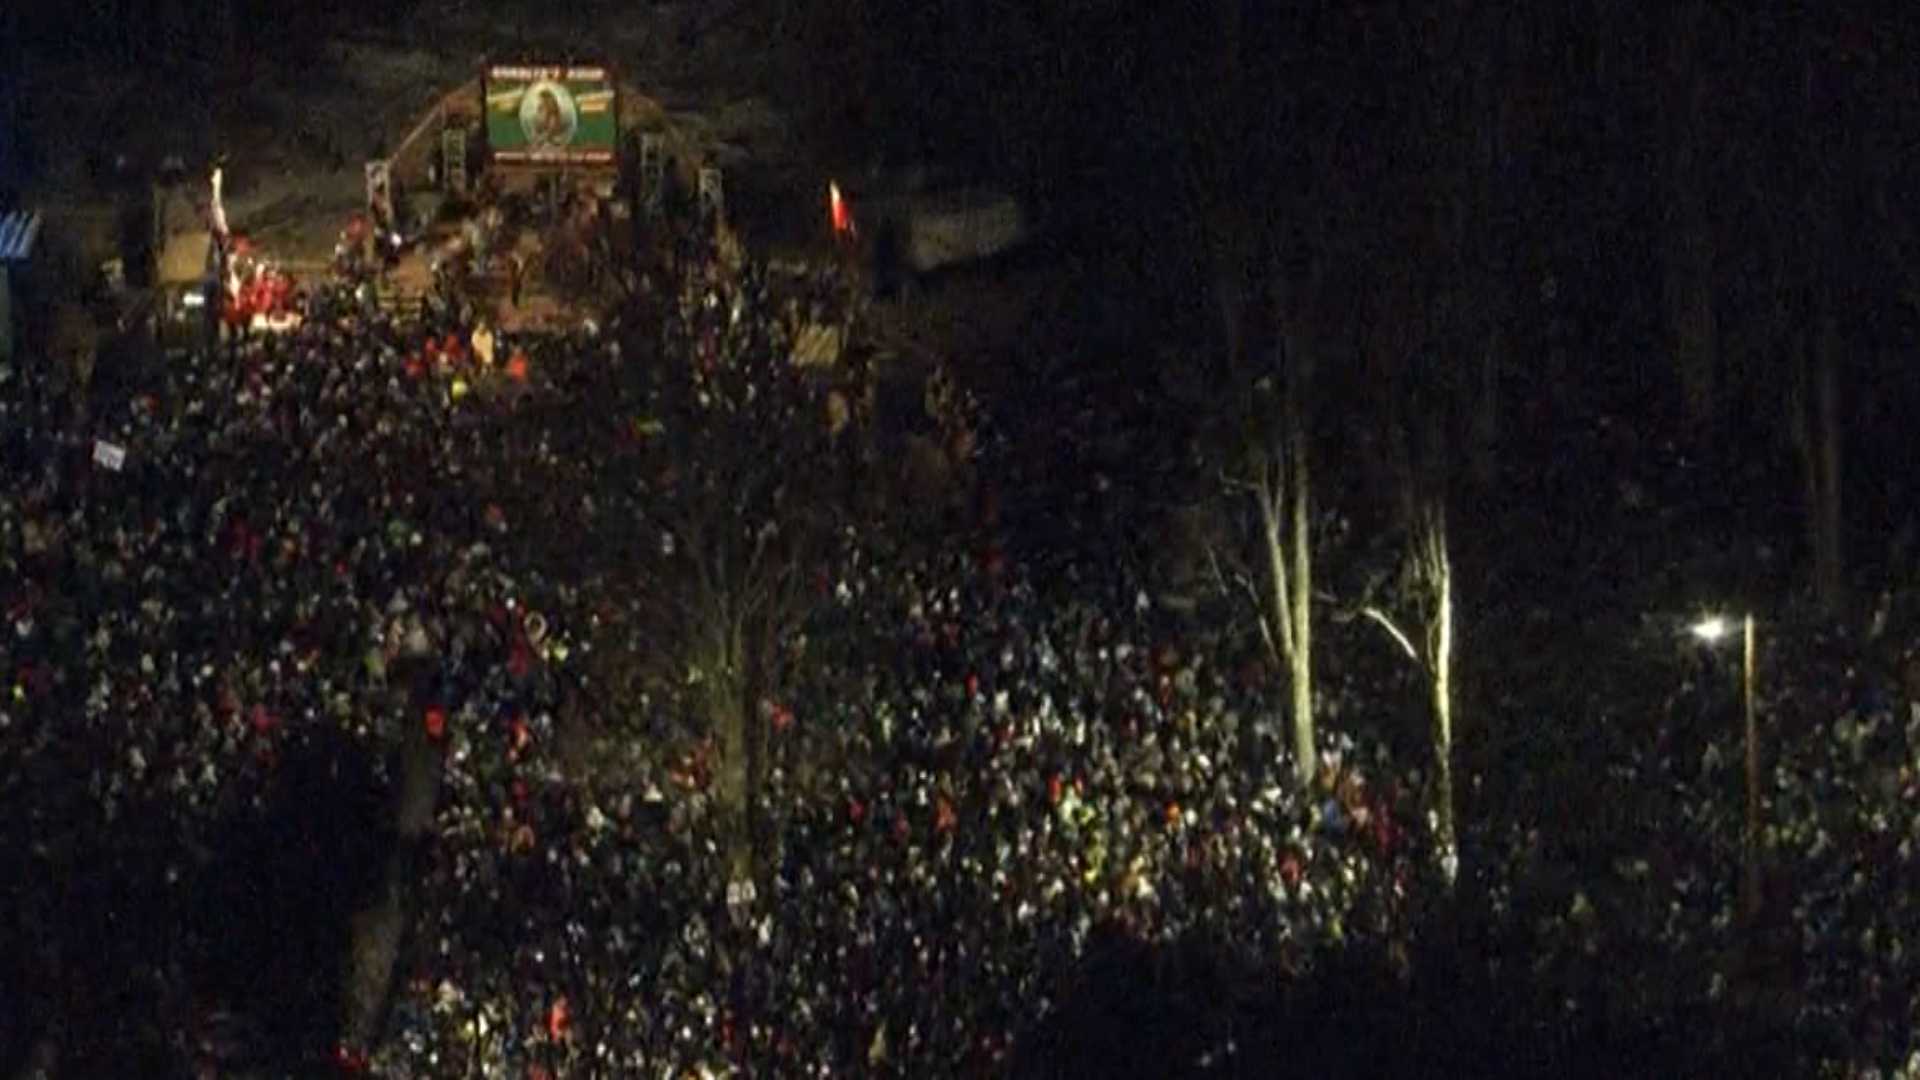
1712,630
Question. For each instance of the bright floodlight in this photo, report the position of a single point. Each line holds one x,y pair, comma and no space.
1711,628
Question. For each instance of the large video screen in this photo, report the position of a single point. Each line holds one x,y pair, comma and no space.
551,115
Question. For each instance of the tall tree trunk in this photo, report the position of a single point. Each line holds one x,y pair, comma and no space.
731,715
1285,504
1439,573
1229,297
1693,323
1290,306
226,36
737,724
1824,495
1300,662
1486,415
1814,416
1282,499
378,929
1690,252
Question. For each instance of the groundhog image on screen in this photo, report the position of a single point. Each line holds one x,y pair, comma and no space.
548,116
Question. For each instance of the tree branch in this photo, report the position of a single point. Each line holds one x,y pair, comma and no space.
1406,645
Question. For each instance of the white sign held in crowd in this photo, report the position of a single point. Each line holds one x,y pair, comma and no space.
380,192
109,456
217,205
713,194
653,171
818,345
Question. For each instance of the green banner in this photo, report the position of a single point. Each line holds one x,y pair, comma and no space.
553,115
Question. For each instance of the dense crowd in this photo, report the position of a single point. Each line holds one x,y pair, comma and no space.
1839,823
283,529
349,528
358,530
956,817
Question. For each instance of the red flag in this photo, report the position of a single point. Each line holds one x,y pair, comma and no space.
837,207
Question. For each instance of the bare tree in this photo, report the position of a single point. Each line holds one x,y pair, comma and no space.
1273,483
1433,564
1792,279
1277,481
1429,582
1434,337
1423,400
1264,297
738,510
1815,418
1813,400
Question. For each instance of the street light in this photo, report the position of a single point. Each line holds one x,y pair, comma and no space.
1712,630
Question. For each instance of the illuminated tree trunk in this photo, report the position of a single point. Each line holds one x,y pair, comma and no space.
1425,454
1436,570
1240,240
1285,508
1300,653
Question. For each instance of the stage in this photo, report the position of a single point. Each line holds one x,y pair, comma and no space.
544,305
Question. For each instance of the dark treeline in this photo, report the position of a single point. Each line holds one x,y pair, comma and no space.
188,38
1693,219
